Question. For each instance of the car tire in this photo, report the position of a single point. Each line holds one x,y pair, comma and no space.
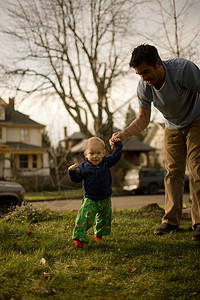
152,189
6,207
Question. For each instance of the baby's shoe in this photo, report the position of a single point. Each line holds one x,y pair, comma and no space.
78,244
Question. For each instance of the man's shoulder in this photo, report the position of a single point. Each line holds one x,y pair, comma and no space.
176,63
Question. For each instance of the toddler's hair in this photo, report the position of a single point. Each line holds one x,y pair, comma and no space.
94,139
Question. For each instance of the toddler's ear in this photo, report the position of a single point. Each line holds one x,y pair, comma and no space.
104,152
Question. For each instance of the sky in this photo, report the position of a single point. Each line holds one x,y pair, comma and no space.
53,114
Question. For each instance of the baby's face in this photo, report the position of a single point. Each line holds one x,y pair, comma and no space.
95,153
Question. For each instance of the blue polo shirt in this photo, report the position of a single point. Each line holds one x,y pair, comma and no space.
97,179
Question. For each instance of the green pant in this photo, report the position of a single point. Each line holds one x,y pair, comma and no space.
90,209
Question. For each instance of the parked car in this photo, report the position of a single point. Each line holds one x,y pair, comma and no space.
147,181
11,194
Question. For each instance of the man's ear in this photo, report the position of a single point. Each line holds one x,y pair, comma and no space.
158,62
85,154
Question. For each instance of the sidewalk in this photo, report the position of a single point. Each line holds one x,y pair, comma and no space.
118,203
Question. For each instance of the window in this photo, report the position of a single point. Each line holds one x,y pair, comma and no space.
2,113
23,161
24,134
34,161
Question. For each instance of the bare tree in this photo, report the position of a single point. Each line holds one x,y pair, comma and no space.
169,26
71,50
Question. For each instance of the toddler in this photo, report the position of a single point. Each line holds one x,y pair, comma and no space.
97,186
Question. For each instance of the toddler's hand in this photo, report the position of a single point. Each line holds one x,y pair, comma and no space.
73,167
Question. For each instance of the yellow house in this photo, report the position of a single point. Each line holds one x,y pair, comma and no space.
21,151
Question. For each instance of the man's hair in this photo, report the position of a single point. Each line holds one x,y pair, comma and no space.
144,53
94,139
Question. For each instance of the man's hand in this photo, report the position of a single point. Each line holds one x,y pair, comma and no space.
115,138
73,167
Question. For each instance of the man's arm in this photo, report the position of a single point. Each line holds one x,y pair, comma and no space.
138,125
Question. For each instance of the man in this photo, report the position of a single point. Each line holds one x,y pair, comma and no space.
173,86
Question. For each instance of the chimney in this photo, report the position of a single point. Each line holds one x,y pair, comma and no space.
12,103
65,138
65,132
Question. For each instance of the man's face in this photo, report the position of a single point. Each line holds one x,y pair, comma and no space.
154,76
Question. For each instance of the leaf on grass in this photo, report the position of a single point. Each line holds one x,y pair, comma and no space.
43,261
15,245
3,258
30,233
69,266
132,270
47,275
195,293
40,290
180,257
126,257
15,236
62,247
196,266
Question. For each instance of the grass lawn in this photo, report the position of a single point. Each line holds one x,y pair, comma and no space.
39,261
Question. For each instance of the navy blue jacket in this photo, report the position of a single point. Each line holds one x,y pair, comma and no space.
97,180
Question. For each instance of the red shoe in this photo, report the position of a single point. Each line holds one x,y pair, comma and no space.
78,244
98,238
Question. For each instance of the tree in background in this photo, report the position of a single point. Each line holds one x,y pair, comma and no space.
172,30
46,141
58,156
75,51
130,116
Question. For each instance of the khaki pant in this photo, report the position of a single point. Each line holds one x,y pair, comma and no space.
179,145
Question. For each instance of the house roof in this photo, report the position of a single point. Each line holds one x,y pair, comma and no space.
20,146
17,118
2,102
132,144
76,136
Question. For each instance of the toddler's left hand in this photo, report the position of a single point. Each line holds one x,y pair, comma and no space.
73,167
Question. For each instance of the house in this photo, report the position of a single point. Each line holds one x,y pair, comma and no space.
155,139
134,151
75,139
21,151
137,152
